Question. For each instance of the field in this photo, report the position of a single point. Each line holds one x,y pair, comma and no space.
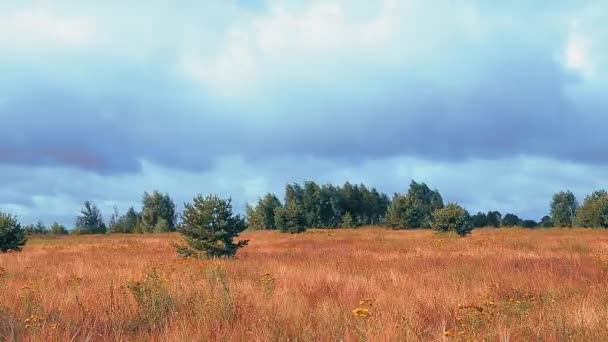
324,285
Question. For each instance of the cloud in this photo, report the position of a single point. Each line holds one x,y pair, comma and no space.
89,92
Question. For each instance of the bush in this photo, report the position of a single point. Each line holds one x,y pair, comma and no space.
12,235
152,298
209,228
453,218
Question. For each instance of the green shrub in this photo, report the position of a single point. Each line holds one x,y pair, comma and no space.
12,235
453,218
290,218
152,298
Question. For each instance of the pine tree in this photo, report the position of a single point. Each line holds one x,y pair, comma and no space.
58,229
290,219
347,221
12,236
209,228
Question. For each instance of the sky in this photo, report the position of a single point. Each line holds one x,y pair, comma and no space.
498,105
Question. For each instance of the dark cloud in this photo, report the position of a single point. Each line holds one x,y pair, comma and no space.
463,84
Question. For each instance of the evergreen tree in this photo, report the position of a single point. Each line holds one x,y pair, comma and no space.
311,205
209,228
510,220
90,220
426,201
347,221
41,229
454,218
528,224
29,229
36,229
12,235
290,219
494,219
262,215
415,209
479,220
58,229
563,209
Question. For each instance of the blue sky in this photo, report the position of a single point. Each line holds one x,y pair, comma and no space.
496,105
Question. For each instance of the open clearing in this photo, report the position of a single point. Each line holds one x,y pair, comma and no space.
497,284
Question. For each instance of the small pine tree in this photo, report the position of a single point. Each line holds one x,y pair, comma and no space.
58,229
454,218
290,218
12,236
347,221
209,228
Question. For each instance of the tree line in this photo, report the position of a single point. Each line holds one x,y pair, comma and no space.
306,206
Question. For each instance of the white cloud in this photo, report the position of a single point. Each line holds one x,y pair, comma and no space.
287,41
29,27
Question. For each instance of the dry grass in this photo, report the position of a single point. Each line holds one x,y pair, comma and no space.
367,284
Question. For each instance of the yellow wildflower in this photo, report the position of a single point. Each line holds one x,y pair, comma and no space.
361,312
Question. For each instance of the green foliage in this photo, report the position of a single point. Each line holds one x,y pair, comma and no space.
152,298
426,201
347,221
511,220
563,209
127,223
58,229
162,226
12,235
36,229
209,228
415,209
546,222
262,215
404,213
157,207
290,218
90,220
591,212
453,218
494,219
528,224
479,220
320,206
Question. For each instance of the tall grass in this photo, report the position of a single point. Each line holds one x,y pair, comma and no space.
368,284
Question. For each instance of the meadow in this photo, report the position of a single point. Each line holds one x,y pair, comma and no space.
368,284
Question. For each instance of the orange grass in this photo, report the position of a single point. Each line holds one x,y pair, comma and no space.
324,285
